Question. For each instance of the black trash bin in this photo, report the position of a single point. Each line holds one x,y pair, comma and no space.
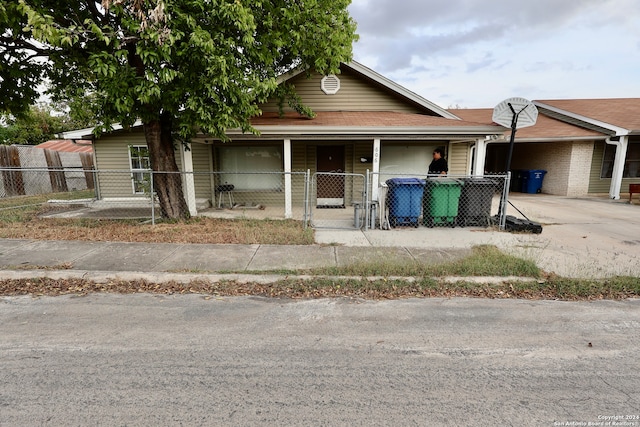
475,201
516,180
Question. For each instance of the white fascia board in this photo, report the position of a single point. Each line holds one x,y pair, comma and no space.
617,129
400,89
87,133
290,74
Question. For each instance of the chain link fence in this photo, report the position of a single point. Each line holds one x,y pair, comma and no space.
320,200
437,201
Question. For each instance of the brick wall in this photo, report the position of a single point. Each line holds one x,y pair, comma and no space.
567,164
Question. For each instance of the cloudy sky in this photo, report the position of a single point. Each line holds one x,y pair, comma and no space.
476,53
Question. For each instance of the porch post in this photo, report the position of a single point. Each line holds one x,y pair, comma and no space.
375,178
189,185
618,165
287,180
479,158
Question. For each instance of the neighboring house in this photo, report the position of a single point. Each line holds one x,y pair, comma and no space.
585,145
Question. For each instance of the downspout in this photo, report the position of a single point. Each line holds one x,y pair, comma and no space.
618,164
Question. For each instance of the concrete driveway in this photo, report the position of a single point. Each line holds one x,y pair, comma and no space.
582,237
590,237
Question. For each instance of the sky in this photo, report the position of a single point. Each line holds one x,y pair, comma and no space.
477,53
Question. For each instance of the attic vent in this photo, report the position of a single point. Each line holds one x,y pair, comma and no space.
330,84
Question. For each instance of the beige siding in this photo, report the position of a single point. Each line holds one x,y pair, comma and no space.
111,151
112,154
355,94
458,158
597,184
201,155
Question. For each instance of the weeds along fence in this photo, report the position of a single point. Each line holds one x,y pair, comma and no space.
320,199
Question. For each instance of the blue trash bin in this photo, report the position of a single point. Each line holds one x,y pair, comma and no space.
532,180
404,200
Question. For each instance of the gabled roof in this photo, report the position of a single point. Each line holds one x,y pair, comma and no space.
390,85
614,116
545,129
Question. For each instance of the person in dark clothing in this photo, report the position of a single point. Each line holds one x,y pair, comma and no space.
439,165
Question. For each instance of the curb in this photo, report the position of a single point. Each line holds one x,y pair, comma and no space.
185,278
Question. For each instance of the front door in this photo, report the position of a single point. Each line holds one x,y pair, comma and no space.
330,188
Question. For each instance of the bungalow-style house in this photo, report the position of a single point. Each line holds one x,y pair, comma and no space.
585,145
366,122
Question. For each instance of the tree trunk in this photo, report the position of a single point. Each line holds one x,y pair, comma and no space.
167,181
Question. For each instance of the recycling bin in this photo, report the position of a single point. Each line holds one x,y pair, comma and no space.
476,197
404,198
440,201
532,180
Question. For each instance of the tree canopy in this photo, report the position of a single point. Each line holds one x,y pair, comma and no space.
40,123
181,66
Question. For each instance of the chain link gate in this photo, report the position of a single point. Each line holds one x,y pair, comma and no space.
338,200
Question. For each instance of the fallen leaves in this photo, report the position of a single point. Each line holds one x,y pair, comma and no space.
309,288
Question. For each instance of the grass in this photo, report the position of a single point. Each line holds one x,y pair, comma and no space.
484,260
20,218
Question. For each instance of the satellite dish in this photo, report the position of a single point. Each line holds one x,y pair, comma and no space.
515,113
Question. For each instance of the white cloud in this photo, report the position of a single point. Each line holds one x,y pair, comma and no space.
472,53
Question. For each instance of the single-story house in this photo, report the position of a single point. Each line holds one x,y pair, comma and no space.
363,122
366,122
585,145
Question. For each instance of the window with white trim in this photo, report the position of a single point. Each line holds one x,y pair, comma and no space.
246,167
631,163
140,166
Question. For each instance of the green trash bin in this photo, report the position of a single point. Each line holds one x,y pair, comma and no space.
440,202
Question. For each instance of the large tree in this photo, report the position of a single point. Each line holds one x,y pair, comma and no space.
180,66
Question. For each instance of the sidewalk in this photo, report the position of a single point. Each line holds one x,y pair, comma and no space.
169,261
581,238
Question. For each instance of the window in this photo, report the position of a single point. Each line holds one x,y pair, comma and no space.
140,165
631,164
406,159
245,167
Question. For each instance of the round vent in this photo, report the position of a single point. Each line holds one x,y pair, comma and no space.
330,84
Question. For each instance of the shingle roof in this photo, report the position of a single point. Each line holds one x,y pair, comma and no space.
67,145
362,119
545,127
620,112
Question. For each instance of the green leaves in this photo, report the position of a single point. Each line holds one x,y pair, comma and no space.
210,63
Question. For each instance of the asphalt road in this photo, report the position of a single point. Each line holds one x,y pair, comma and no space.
193,360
